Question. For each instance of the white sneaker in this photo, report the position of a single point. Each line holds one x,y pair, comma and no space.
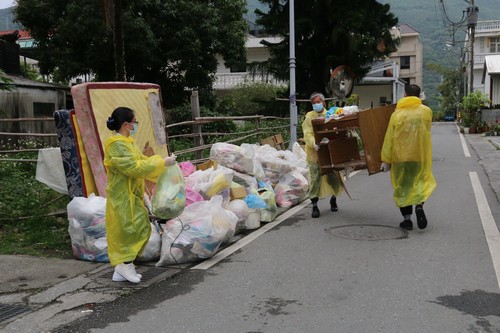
127,272
118,278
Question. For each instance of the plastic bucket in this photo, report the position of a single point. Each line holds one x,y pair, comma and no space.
253,219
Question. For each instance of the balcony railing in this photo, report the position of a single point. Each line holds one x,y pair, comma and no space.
226,81
488,26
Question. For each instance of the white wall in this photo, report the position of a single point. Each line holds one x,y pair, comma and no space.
369,94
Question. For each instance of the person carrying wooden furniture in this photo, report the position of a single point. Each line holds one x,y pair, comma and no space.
407,153
319,186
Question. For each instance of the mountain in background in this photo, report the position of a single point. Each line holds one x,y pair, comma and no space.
6,20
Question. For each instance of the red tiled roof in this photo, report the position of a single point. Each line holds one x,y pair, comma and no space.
23,34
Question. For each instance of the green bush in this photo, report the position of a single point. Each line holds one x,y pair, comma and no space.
254,99
25,203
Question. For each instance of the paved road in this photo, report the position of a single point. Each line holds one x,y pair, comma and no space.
302,277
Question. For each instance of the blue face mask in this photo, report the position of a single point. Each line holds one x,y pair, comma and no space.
318,107
134,129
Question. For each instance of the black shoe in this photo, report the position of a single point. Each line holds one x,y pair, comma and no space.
333,204
406,224
421,219
315,212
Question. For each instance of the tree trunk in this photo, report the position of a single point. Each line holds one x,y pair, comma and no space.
119,49
113,18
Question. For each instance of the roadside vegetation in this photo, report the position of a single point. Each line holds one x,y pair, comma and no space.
25,205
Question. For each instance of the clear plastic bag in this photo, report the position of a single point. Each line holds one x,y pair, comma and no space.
152,250
87,228
291,189
197,233
169,198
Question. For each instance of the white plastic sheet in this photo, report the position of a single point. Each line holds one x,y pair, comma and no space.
50,170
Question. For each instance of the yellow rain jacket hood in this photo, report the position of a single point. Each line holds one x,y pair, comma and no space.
408,148
328,184
127,219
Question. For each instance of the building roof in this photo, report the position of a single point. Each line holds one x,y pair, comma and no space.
23,34
20,81
491,65
407,29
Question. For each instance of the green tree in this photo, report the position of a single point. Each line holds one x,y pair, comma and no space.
172,43
328,33
254,99
5,82
450,86
30,72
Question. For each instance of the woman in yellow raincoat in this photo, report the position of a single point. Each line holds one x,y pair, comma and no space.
319,186
407,153
127,219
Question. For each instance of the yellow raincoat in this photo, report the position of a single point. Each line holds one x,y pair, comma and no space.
319,186
408,148
127,221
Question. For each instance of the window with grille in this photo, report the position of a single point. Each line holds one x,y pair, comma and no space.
495,45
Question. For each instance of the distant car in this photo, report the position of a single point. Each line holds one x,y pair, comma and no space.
449,117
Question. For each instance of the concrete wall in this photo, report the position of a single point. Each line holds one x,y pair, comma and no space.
490,115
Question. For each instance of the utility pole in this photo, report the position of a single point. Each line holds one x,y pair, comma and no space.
471,24
293,93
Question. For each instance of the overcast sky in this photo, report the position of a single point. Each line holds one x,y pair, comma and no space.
6,3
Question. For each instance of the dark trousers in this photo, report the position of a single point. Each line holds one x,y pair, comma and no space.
407,210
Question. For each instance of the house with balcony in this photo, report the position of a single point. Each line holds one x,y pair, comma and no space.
486,43
229,78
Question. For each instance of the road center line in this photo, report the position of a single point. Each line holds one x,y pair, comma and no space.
244,241
488,222
464,145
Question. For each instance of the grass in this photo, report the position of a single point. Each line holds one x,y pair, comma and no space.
24,204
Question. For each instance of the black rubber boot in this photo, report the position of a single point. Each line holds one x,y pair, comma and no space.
421,219
406,225
333,204
315,210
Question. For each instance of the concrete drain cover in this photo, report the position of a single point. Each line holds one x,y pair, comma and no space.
367,232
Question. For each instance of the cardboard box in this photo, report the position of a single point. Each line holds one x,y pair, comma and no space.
206,165
237,191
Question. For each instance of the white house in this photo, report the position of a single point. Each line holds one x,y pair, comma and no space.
486,43
229,78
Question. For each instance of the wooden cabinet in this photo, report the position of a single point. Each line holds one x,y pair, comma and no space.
338,147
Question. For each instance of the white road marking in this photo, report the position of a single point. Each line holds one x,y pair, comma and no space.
464,145
244,241
489,225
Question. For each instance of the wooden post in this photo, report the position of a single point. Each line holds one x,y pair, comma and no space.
195,111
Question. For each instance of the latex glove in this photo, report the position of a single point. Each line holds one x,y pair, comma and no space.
385,167
170,160
316,147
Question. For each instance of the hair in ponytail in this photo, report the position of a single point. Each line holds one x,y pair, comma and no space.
118,117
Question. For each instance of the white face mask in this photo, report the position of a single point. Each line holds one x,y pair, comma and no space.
318,107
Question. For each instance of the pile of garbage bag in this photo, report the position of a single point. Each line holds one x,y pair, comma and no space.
193,211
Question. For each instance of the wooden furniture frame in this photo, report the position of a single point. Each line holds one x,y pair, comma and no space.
341,149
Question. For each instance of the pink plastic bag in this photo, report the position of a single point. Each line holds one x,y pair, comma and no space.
187,168
192,196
